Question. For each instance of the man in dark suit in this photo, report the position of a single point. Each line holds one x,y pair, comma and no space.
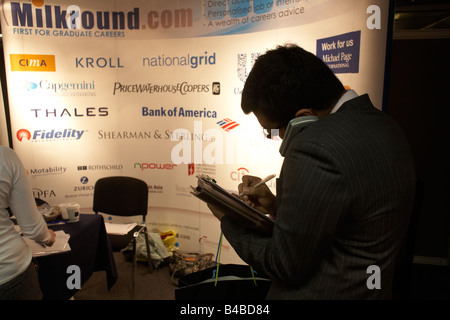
346,188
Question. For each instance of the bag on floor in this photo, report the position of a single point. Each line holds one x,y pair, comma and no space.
158,252
182,264
234,282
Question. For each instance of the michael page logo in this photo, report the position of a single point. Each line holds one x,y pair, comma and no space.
45,135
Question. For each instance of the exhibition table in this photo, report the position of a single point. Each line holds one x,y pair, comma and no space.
90,252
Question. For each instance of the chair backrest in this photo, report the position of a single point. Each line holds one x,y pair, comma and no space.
121,196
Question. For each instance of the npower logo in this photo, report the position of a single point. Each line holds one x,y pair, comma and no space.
32,62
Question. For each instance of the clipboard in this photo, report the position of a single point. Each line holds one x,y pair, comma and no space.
210,192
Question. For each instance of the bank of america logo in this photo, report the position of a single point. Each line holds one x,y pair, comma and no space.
227,124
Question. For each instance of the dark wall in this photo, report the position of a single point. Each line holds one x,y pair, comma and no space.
419,91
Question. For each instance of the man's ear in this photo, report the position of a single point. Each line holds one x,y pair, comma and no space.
304,112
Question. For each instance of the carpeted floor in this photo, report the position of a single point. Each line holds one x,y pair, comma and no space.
156,286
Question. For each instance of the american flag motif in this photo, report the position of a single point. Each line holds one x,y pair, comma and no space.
227,124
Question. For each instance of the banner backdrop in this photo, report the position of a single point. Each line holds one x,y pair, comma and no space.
151,89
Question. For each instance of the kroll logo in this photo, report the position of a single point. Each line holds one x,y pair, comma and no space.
32,62
50,135
227,124
38,15
100,62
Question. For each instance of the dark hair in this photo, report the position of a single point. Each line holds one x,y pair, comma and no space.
287,79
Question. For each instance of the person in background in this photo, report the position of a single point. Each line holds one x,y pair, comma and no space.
345,192
18,274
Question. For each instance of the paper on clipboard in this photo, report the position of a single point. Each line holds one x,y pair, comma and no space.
61,245
210,192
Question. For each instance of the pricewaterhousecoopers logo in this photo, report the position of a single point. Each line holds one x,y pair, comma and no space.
42,135
182,88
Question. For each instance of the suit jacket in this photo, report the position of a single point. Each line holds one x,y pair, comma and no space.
344,198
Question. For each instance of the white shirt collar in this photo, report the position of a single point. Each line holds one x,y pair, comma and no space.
348,95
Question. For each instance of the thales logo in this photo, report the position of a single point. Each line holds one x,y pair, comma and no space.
32,62
50,135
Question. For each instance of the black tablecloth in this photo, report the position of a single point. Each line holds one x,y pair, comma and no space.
90,251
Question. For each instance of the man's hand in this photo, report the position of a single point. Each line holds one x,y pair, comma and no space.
218,213
260,197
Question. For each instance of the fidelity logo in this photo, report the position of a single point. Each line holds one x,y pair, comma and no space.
50,135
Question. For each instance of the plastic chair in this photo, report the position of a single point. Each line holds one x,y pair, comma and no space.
125,196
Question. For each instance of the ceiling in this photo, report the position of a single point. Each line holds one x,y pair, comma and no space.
424,18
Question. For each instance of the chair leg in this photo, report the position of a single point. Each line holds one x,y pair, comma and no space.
149,258
134,266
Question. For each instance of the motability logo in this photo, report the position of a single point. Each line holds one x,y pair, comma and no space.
49,135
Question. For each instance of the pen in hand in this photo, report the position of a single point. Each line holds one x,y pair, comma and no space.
262,181
41,244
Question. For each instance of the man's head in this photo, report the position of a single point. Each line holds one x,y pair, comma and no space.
284,81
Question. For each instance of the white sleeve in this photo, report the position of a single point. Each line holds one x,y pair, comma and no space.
22,203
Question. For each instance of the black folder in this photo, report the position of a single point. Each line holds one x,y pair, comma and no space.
210,192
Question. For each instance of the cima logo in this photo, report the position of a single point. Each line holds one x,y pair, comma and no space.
32,62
